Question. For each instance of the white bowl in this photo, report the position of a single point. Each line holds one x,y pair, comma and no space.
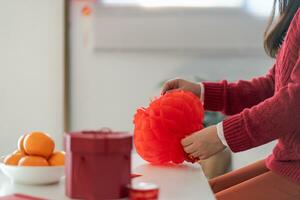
33,175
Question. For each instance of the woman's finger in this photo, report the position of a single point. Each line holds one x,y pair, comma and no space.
196,154
190,149
187,141
169,85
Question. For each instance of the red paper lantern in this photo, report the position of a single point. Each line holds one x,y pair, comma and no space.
160,127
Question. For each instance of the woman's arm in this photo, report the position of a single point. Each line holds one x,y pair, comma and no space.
232,98
267,121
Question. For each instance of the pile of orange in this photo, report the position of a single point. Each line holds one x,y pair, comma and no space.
36,149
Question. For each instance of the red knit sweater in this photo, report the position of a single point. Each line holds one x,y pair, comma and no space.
265,108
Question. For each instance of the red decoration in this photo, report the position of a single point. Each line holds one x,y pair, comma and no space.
86,10
160,127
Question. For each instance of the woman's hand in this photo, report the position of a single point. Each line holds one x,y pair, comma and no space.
180,84
203,144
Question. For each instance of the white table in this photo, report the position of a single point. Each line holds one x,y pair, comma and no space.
176,182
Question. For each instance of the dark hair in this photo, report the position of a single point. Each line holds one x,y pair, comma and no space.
276,31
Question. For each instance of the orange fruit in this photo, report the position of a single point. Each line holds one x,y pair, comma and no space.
21,143
57,158
39,144
33,161
19,152
13,159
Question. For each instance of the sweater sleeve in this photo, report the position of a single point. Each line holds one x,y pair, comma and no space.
267,121
232,98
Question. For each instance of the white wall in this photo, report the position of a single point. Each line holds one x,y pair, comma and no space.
31,69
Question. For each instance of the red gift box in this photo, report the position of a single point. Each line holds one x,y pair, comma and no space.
98,164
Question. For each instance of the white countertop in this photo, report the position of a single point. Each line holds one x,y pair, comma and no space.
176,182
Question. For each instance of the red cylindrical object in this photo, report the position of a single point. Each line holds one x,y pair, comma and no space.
143,191
97,164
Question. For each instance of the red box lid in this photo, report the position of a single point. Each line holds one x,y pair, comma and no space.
101,141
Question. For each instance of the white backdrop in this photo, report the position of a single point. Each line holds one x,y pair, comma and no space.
31,69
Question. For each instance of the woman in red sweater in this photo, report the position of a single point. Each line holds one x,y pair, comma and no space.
261,110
